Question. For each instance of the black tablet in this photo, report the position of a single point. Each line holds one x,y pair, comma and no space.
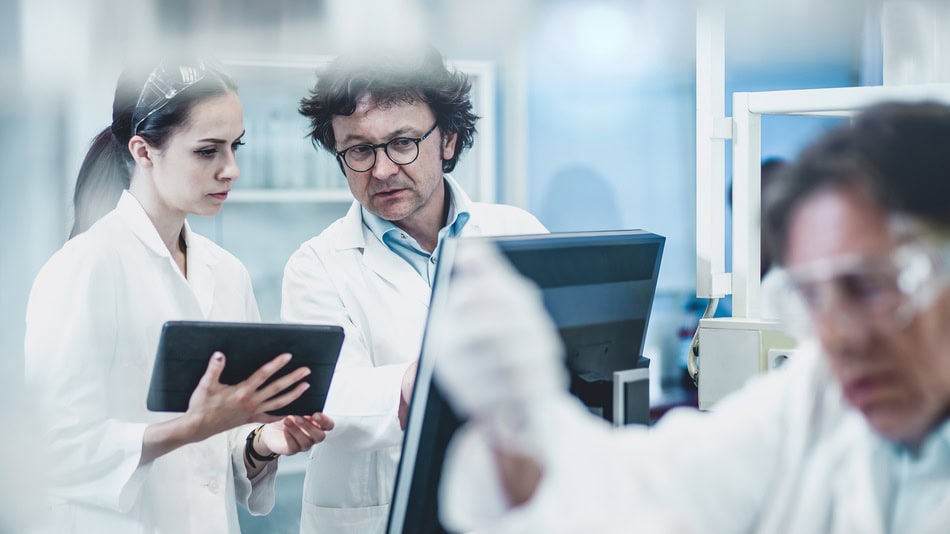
185,348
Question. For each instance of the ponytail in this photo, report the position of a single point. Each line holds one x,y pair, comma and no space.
104,174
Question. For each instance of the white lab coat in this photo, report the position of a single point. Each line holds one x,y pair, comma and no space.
783,455
92,327
346,276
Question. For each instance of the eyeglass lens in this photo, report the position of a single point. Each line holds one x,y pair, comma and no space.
401,151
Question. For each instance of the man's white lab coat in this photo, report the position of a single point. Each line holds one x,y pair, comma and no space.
93,322
347,277
785,454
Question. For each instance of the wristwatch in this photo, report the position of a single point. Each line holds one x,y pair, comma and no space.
250,454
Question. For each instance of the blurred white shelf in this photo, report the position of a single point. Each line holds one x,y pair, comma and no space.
290,195
841,101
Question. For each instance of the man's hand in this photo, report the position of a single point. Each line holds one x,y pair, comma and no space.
405,393
520,475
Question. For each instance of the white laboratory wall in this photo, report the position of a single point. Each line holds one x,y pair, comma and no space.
915,41
611,119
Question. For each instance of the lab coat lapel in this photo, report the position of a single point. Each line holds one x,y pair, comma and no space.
200,283
379,259
471,229
200,276
394,270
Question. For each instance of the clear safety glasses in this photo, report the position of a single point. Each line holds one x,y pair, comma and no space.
884,292
162,85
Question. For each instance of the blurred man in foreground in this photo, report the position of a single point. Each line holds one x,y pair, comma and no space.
852,436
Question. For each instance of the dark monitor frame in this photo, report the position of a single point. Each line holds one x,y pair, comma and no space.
414,480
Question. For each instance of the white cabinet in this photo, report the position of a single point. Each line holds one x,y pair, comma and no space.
290,191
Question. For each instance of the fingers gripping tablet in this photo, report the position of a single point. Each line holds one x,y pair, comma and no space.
186,346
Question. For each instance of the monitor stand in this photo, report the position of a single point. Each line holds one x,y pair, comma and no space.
621,399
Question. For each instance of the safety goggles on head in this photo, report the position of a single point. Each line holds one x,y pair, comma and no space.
883,291
162,85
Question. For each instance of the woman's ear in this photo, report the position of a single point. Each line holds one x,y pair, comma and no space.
141,151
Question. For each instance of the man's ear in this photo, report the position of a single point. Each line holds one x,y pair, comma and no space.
448,145
141,151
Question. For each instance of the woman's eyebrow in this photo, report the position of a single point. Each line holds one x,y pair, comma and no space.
216,140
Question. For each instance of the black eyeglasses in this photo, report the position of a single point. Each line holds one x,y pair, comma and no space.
399,150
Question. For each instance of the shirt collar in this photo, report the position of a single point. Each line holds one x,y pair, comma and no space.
944,432
377,225
459,208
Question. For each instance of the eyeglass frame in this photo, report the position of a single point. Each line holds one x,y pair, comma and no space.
916,270
341,154
168,89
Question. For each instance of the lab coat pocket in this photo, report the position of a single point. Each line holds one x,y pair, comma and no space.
338,477
367,519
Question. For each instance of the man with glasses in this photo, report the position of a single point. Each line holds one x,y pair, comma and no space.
397,122
852,435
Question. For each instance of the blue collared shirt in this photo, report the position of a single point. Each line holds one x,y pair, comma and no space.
406,247
919,480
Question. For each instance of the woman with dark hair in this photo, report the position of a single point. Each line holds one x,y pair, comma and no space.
96,311
852,435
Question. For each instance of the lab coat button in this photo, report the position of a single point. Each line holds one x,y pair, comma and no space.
432,259
213,486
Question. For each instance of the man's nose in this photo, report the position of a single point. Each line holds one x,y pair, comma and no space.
841,325
383,167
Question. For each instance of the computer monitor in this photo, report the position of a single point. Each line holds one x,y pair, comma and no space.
598,288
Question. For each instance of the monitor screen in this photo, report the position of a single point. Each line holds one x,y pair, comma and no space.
598,288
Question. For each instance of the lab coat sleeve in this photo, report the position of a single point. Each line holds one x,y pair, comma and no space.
695,472
363,399
70,349
255,494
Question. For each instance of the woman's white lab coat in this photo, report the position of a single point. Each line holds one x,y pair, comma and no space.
93,322
783,455
346,276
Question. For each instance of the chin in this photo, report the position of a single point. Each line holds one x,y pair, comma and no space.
896,427
391,215
206,211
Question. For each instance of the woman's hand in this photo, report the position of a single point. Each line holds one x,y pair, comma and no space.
293,434
215,407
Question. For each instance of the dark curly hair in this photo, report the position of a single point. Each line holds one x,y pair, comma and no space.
899,153
392,77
